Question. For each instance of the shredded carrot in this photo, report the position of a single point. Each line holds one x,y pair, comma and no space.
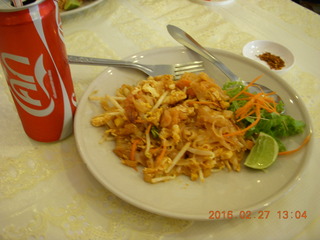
161,156
249,114
305,141
242,131
254,104
134,149
270,93
243,111
155,150
246,87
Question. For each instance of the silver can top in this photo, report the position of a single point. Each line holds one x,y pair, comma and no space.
7,5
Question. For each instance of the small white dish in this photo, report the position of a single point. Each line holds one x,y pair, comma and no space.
257,47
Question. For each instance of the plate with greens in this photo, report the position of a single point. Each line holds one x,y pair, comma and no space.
230,194
69,7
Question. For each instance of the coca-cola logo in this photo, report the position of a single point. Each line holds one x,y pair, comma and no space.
22,85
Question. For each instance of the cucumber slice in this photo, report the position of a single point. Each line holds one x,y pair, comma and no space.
72,4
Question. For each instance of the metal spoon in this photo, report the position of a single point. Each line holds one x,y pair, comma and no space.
186,40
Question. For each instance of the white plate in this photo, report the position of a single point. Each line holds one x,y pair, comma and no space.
257,47
84,6
248,190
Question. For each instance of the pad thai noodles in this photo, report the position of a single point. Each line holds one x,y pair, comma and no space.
170,128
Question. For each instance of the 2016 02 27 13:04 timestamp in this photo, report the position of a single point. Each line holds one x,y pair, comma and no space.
262,214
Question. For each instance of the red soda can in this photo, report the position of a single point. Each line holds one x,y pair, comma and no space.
35,64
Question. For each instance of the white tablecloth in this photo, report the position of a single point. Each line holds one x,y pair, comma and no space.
46,191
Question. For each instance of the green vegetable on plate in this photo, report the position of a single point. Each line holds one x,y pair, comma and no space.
273,123
72,4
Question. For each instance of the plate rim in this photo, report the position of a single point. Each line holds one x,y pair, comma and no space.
253,207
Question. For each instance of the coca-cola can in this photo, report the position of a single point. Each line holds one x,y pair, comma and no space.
35,64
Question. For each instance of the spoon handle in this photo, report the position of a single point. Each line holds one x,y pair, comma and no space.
186,40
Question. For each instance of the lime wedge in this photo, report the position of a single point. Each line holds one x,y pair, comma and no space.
264,152
72,4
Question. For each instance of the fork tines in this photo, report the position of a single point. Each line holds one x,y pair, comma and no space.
180,69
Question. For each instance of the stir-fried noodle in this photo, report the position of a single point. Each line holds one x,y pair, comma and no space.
172,128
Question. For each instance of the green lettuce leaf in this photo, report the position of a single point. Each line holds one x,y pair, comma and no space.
277,125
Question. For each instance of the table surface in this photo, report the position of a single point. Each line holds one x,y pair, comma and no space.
46,191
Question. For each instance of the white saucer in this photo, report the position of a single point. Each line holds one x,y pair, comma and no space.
257,47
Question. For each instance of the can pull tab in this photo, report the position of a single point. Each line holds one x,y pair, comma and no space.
26,2
9,4
20,3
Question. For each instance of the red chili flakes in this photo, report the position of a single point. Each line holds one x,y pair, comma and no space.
274,62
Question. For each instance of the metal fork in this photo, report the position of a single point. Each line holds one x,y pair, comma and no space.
152,70
186,40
